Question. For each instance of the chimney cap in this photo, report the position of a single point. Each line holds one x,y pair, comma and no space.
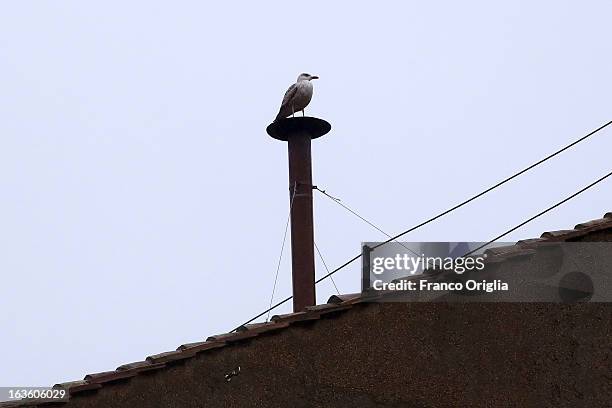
284,128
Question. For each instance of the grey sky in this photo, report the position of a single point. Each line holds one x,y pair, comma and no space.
143,204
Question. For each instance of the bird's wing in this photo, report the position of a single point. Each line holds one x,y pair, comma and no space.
285,109
289,95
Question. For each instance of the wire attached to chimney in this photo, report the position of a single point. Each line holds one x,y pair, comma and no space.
526,169
325,265
346,207
280,257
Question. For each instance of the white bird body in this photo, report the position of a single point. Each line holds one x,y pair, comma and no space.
297,97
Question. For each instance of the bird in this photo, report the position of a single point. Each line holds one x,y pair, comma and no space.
297,97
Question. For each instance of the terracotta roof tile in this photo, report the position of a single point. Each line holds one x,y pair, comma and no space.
360,298
109,376
84,387
337,299
69,384
595,224
200,347
557,234
233,337
531,243
500,254
581,229
140,366
190,345
170,356
326,309
321,307
290,317
263,327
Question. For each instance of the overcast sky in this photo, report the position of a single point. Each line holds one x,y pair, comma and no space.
143,204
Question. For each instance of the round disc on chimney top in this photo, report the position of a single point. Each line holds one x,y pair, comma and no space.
284,128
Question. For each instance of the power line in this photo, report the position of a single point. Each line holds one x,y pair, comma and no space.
541,213
526,169
353,259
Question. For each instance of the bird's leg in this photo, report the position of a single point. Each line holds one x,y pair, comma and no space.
303,113
292,111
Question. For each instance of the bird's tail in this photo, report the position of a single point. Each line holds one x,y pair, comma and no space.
282,114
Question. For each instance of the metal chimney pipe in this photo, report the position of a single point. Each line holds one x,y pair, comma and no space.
298,133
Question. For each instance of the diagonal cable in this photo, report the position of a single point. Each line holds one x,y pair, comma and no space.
280,257
325,265
346,207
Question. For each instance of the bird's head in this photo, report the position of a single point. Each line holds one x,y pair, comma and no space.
306,77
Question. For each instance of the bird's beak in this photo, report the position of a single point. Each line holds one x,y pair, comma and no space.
314,77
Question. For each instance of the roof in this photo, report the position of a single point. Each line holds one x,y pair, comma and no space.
336,304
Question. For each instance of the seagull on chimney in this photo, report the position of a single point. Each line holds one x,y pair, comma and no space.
297,97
